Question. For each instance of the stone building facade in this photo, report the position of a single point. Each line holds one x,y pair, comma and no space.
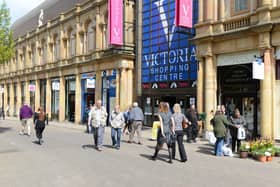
231,34
66,64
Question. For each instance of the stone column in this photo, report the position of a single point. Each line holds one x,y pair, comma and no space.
78,99
5,97
210,91
48,97
200,81
18,97
12,95
129,90
222,9
61,99
37,94
117,87
266,96
27,93
98,85
98,32
123,89
266,2
201,12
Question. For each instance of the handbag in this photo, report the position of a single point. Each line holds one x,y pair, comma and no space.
184,124
241,134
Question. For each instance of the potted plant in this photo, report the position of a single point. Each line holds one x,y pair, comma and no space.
243,150
260,155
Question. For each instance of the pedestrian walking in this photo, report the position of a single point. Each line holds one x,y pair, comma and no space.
89,125
40,124
98,117
179,118
127,126
239,121
117,122
25,117
192,130
219,123
2,113
136,117
165,131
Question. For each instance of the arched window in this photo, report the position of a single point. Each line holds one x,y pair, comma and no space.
91,36
56,52
33,55
72,43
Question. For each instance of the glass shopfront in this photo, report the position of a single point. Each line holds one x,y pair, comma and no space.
32,86
22,87
15,99
88,94
55,99
43,85
70,89
109,90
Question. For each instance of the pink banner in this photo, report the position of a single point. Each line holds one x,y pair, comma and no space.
116,22
184,13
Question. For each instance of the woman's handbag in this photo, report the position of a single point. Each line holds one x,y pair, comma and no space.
184,124
241,134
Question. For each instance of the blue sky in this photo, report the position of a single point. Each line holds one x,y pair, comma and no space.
19,8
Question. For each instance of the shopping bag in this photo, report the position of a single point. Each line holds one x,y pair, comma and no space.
241,134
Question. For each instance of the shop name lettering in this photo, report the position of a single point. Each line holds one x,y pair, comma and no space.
170,65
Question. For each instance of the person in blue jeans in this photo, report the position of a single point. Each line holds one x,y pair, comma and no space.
117,121
219,123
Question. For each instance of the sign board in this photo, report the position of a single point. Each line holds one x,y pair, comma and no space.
184,13
115,22
91,83
258,69
55,86
31,87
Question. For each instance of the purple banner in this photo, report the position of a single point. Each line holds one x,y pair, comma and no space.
184,13
115,22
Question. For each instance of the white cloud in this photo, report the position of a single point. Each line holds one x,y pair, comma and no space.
19,8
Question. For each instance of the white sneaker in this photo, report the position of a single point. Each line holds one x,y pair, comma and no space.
21,133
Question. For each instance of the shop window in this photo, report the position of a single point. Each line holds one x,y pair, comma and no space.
278,70
240,6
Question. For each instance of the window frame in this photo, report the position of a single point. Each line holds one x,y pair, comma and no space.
233,11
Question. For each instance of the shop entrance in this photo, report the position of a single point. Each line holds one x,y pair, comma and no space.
151,105
237,89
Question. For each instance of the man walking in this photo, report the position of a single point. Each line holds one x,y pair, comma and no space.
25,116
136,117
98,117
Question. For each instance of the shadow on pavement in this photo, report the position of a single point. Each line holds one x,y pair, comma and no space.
36,142
161,157
206,149
5,129
88,146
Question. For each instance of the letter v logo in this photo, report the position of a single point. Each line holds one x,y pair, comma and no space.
164,21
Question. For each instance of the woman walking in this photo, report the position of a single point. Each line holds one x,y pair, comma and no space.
165,131
40,123
117,121
179,118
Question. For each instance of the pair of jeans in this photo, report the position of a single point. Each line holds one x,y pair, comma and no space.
98,136
116,140
219,146
179,137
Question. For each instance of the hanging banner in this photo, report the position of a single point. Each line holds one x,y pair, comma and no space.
184,13
115,22
91,83
31,87
258,69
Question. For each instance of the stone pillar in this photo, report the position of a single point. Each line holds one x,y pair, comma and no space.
210,91
48,97
200,81
37,94
18,98
98,85
123,89
12,95
27,93
117,87
266,96
129,90
61,99
98,32
78,99
201,12
222,10
5,96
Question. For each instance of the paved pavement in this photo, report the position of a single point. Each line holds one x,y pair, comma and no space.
67,158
